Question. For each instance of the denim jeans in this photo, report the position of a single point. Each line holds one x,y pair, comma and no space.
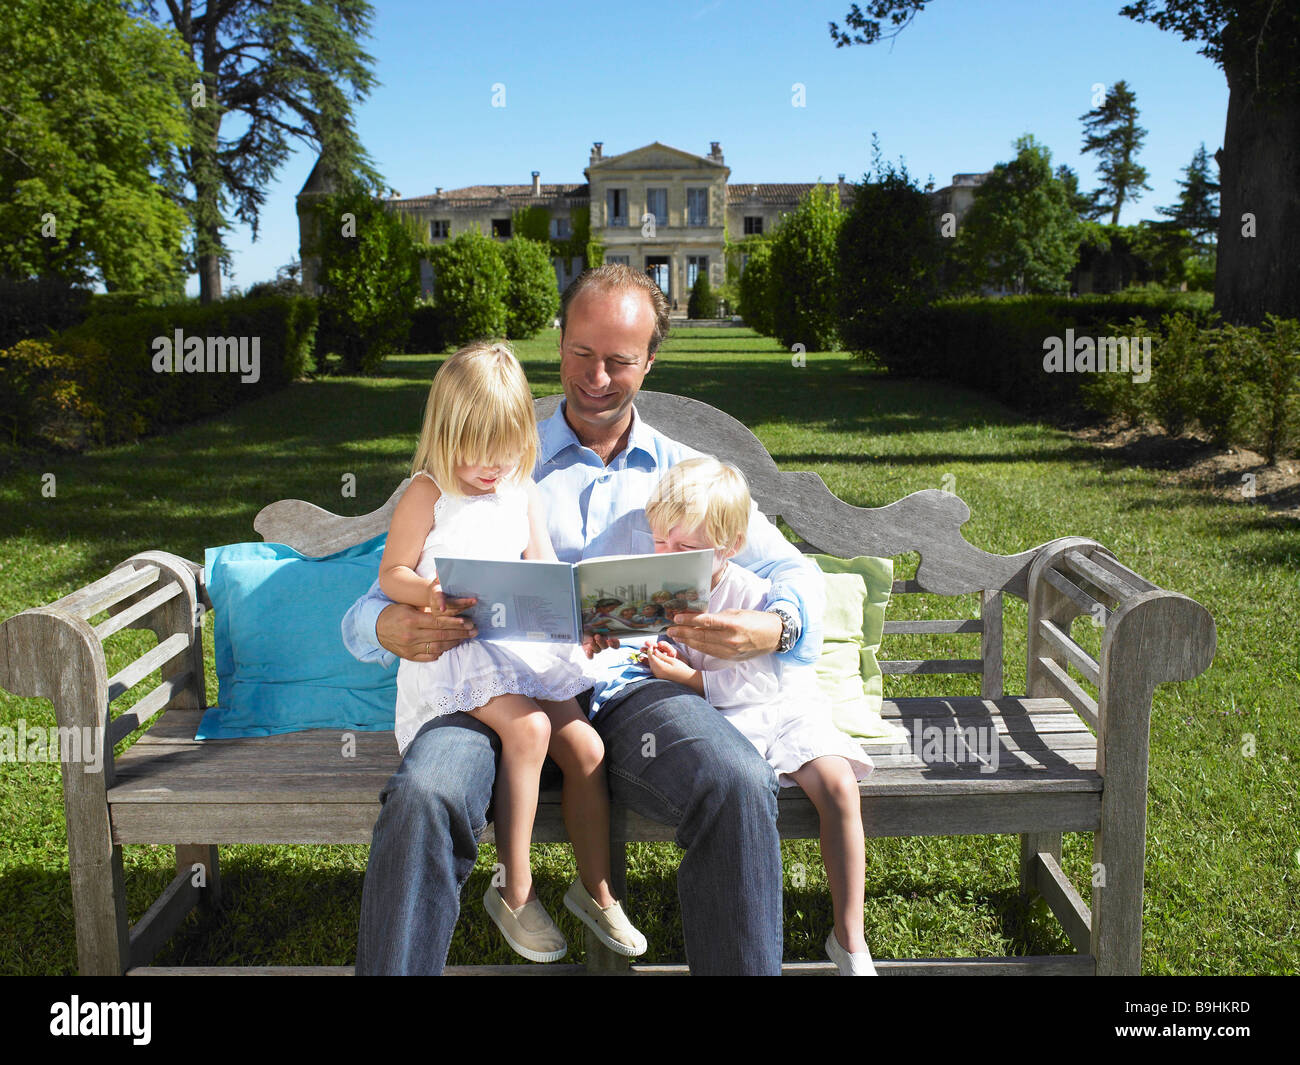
670,756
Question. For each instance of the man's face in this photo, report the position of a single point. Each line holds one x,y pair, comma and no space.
604,357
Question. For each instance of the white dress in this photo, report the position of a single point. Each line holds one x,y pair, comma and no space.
494,525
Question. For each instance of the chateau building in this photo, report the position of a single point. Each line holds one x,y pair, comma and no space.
658,208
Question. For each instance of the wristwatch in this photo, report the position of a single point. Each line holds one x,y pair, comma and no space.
789,628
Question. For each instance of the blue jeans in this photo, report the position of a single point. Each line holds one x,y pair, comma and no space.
670,756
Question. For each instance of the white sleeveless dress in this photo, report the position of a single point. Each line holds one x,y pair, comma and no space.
494,525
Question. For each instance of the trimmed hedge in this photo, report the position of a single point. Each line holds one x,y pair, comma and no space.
101,382
997,345
1240,384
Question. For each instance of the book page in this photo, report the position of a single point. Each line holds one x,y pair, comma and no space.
631,595
518,599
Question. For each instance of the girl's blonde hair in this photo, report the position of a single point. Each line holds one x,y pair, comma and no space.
702,492
479,411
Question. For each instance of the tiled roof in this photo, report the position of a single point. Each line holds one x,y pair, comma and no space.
485,195
774,194
777,194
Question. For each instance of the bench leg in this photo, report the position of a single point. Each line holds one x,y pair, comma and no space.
1032,843
600,959
1119,860
99,906
196,858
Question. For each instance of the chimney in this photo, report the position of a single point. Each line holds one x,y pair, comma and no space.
537,182
841,179
715,151
438,191
596,152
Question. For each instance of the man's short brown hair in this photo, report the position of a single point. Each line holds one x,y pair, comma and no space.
617,277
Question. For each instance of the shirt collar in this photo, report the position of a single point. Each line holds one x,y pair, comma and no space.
556,435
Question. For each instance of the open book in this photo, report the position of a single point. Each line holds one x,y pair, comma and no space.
556,602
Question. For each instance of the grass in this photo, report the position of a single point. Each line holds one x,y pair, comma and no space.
1223,848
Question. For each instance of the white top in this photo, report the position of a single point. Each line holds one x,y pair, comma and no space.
731,685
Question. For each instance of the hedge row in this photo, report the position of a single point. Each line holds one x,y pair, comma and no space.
998,345
1238,384
118,376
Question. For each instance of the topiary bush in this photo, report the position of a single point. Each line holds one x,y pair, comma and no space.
703,303
470,284
532,299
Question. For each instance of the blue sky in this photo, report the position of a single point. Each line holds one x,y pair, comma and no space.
950,94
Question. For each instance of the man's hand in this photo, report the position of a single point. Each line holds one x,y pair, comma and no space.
733,634
424,635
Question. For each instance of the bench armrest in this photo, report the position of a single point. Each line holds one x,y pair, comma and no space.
53,652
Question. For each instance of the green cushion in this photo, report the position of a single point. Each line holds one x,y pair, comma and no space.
857,592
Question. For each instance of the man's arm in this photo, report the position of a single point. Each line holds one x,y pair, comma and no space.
797,584
376,629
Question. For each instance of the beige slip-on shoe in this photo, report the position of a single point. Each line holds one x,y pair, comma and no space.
529,930
610,924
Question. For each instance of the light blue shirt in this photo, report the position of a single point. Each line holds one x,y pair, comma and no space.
609,519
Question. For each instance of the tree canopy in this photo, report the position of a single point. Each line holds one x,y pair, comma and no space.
290,69
92,118
1021,232
1110,131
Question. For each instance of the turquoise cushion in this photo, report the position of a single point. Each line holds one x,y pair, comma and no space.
281,663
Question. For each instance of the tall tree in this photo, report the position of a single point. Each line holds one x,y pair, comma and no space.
1197,209
1257,43
1021,232
91,123
890,252
1111,132
287,68
804,279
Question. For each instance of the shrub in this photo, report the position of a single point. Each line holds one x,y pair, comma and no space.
428,332
998,345
96,383
703,303
755,294
804,274
1269,356
368,278
532,299
889,254
470,284
35,309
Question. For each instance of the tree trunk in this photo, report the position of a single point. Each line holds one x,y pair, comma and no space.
206,174
1259,168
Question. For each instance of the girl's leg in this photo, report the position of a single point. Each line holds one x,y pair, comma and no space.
525,734
580,754
830,784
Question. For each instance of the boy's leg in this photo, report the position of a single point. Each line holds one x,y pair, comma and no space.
434,809
578,751
673,758
830,784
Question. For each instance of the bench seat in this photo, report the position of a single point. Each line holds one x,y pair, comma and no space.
298,787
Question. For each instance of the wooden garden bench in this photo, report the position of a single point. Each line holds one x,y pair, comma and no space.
1068,762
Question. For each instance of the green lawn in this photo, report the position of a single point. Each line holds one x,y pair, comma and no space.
1223,848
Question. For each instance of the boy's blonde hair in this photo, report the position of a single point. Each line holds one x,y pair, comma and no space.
479,411
702,492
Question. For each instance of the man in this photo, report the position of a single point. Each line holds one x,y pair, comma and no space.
596,467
